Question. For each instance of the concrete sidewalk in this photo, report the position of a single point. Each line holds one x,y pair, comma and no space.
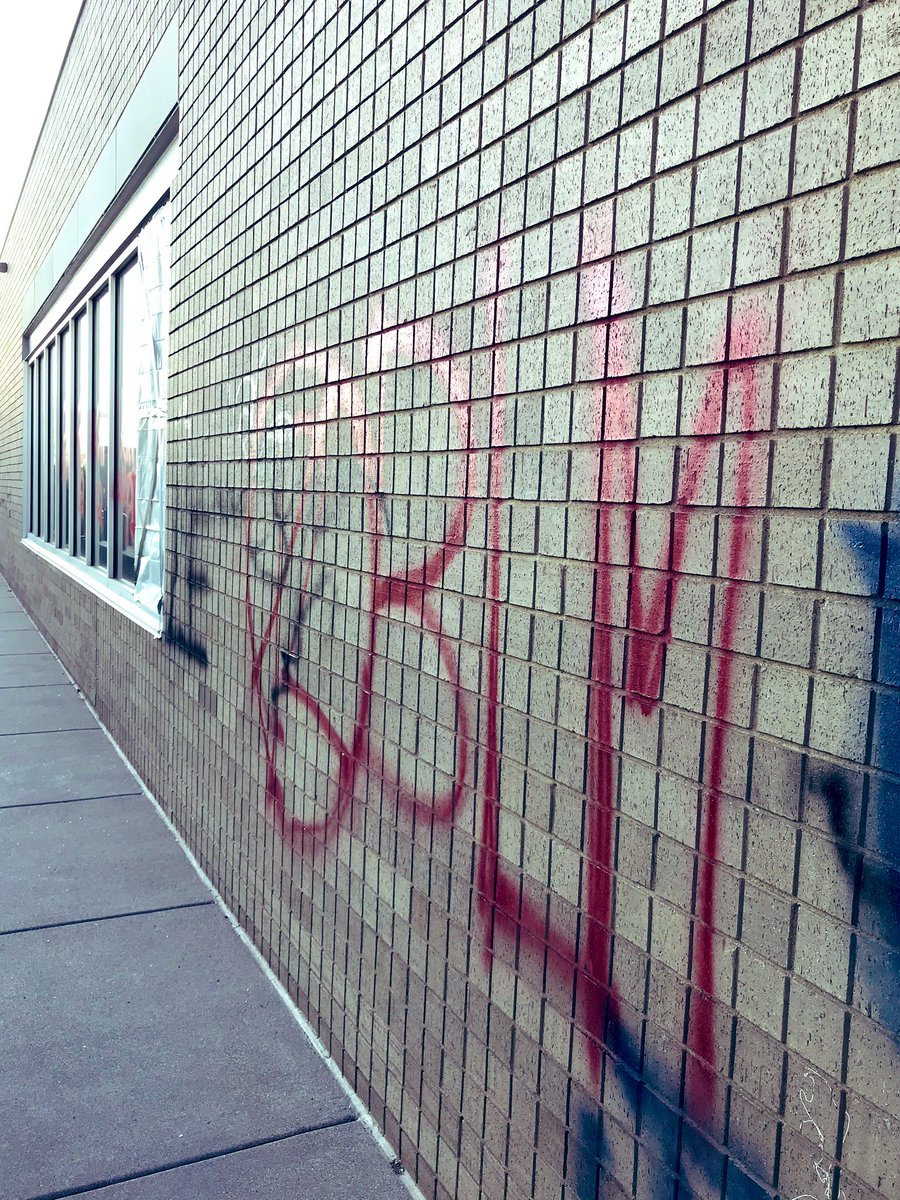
145,1054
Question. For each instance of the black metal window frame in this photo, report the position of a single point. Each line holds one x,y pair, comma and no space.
64,375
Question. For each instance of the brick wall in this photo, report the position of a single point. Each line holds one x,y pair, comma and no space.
529,685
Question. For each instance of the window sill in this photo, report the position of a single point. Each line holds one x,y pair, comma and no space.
116,594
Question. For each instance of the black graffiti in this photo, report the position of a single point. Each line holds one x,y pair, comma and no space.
187,583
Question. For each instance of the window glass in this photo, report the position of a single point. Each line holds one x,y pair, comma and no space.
52,525
65,441
128,334
82,430
102,405
153,267
46,410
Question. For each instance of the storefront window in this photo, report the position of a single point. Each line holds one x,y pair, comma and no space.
97,420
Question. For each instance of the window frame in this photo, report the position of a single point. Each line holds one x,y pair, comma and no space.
60,350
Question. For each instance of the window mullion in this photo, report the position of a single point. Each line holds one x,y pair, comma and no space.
44,448
90,448
28,493
36,448
60,435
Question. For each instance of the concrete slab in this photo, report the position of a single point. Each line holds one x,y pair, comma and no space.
142,1042
30,670
43,709
22,641
340,1163
9,604
15,620
89,859
39,768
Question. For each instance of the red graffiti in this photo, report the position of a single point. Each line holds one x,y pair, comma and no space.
409,591
651,623
651,599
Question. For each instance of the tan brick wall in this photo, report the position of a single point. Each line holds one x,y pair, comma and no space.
529,686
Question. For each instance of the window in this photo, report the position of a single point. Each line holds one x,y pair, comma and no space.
96,416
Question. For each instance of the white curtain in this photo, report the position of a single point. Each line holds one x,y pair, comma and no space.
153,269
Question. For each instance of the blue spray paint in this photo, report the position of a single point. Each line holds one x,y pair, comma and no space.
876,550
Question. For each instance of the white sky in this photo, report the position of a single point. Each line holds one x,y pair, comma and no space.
34,35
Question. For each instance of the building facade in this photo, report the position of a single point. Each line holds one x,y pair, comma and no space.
452,445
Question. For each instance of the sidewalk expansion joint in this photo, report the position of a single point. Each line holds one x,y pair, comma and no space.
139,912
43,732
69,800
22,653
199,1158
6,687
